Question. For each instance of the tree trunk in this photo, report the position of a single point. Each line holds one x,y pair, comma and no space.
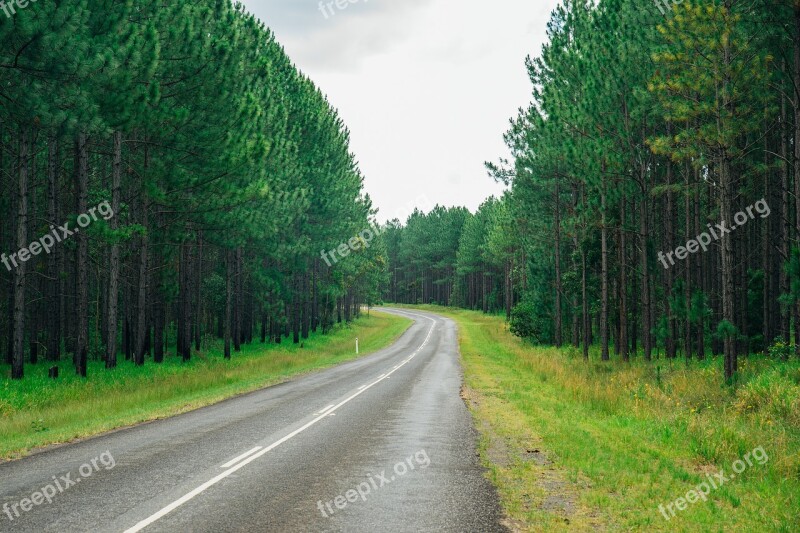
199,295
158,307
306,315
113,276
18,345
54,309
82,258
559,288
687,287
229,268
727,262
585,306
507,291
785,233
296,310
669,275
237,307
315,297
141,307
623,286
699,275
603,276
186,304
796,81
644,234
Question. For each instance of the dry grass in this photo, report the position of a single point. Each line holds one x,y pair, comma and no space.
613,441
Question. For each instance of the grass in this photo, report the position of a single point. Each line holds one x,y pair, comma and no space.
38,411
576,445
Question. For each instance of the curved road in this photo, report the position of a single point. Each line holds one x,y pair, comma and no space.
380,443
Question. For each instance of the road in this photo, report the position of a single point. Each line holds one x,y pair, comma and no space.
382,443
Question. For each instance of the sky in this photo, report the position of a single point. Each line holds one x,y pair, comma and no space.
426,87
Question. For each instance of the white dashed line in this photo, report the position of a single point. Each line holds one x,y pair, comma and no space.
324,410
254,454
245,454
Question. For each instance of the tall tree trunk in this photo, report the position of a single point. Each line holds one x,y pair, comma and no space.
727,193
687,287
586,324
18,351
296,310
669,217
315,297
644,233
82,258
53,301
785,220
229,272
699,275
507,291
559,288
796,80
585,306
727,262
623,286
306,316
767,259
237,309
141,307
263,327
603,275
575,327
159,305
186,303
113,275
199,294
33,322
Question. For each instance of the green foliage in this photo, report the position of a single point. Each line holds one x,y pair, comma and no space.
226,149
528,322
780,350
725,329
642,133
629,436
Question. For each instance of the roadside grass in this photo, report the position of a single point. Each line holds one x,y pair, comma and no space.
39,411
576,445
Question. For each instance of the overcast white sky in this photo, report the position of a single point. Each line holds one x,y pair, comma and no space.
426,87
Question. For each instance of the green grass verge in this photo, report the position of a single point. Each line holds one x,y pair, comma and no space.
38,411
576,445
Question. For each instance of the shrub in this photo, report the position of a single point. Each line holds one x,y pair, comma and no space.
529,322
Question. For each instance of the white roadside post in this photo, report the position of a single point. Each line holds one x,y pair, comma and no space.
356,345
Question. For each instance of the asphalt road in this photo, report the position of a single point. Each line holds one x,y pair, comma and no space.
383,443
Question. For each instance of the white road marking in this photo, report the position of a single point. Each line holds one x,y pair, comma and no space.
245,454
216,479
324,410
